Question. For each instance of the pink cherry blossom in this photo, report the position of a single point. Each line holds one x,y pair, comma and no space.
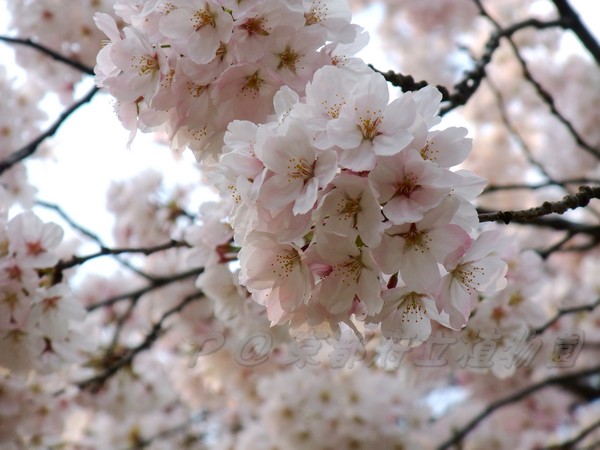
245,91
347,272
274,272
293,55
254,24
415,250
408,187
298,170
141,64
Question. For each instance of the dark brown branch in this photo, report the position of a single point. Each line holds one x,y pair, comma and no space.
94,237
513,131
555,223
61,212
472,78
513,398
30,148
105,251
563,312
154,284
573,201
49,52
541,91
408,84
574,23
127,358
465,89
556,247
142,443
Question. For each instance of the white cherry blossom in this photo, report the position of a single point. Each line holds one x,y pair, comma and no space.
368,126
471,270
416,250
406,315
351,209
197,28
32,241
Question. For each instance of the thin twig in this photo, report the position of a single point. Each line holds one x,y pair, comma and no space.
513,131
155,283
49,52
105,251
465,89
541,91
94,237
31,148
563,312
519,395
156,331
551,182
556,247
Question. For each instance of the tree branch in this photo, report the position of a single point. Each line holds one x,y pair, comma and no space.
30,148
465,89
156,331
105,251
408,84
573,22
573,201
541,91
155,283
49,52
513,398
472,79
94,237
563,312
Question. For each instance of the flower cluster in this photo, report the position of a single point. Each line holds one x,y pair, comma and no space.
346,205
195,66
36,311
341,410
58,26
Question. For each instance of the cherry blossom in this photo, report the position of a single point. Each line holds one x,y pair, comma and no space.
342,292
406,315
278,273
351,209
365,128
471,270
32,241
298,170
348,272
408,186
197,29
